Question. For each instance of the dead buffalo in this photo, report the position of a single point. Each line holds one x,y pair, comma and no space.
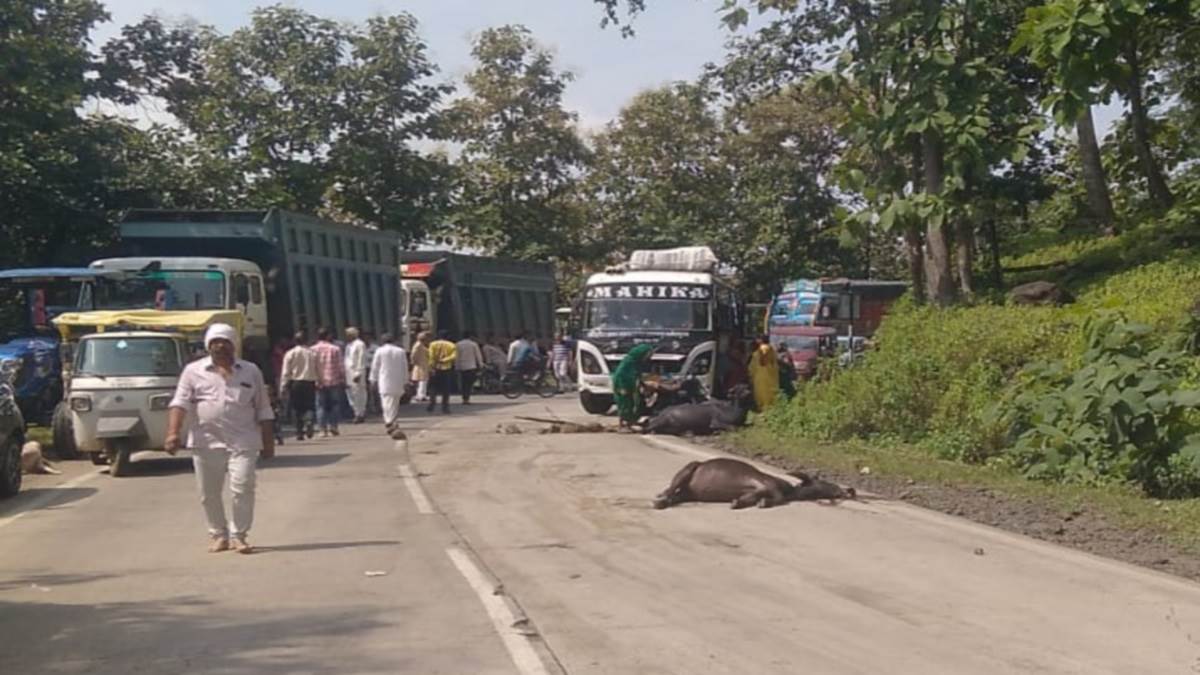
742,485
705,418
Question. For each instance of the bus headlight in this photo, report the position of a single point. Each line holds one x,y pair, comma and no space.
81,404
160,401
701,365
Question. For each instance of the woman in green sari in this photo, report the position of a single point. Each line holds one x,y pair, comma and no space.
625,381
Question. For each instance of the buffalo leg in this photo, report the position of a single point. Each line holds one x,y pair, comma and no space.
677,491
746,500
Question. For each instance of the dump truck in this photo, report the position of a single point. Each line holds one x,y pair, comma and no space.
284,271
486,296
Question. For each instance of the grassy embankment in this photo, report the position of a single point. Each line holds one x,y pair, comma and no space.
927,404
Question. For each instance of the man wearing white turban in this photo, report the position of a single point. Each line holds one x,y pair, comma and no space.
232,425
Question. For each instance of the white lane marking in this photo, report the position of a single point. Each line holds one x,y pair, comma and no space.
415,489
40,500
519,646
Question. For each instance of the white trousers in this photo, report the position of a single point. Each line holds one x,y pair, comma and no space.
391,408
422,390
358,397
211,467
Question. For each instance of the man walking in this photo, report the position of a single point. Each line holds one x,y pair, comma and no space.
389,374
233,426
468,362
442,357
564,348
298,384
331,381
356,373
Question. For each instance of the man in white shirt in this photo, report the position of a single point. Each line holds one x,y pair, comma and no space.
232,426
356,374
468,361
518,351
298,384
389,373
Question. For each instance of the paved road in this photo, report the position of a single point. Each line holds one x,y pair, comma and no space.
539,553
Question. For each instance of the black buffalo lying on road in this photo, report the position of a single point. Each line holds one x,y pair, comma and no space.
742,485
705,418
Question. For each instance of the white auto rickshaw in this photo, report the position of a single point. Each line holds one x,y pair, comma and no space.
121,371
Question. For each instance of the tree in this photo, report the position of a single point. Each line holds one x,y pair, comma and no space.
1093,48
305,113
53,163
522,157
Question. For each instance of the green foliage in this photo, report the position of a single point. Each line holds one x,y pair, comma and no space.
522,155
1121,415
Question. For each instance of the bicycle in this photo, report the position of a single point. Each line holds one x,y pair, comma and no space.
490,381
538,381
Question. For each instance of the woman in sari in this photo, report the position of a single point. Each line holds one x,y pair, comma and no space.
626,380
764,373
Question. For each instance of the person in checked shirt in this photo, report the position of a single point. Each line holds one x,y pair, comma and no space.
232,426
331,381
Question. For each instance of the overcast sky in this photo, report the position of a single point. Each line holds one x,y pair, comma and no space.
675,38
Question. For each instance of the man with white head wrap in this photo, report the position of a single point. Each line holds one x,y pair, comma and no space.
232,425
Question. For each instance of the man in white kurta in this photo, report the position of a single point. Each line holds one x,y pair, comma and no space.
389,373
356,373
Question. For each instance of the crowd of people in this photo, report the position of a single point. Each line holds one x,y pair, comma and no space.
326,381
767,370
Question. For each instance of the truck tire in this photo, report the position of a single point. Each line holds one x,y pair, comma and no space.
119,460
595,404
63,433
10,465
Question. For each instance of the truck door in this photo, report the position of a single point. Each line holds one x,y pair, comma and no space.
249,297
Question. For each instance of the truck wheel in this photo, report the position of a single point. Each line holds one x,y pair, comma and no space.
119,460
63,432
595,404
10,466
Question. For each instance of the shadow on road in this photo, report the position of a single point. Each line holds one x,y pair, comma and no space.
324,546
178,635
285,461
35,499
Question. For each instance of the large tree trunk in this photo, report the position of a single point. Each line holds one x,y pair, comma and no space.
964,254
1095,181
939,283
913,248
1160,194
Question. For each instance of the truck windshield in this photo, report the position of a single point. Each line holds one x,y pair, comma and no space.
611,314
164,289
126,357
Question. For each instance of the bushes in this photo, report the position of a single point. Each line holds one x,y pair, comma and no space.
936,375
1121,415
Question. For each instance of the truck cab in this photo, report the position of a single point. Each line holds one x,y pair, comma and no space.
672,299
188,284
416,309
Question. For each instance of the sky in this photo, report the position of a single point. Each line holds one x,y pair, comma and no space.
675,38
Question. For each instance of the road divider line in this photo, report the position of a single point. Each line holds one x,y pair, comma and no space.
415,490
38,501
519,645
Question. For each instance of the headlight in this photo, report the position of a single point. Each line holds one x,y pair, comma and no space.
81,404
160,401
590,364
701,365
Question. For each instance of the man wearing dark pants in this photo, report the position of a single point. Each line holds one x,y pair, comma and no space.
298,382
469,361
442,357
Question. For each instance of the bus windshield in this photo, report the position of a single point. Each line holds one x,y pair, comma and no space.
165,290
630,315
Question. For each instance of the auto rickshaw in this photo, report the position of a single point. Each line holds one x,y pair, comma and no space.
120,373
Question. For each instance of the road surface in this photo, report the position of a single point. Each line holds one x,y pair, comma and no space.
472,551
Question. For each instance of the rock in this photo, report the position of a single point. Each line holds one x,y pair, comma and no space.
865,471
980,551
1040,293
